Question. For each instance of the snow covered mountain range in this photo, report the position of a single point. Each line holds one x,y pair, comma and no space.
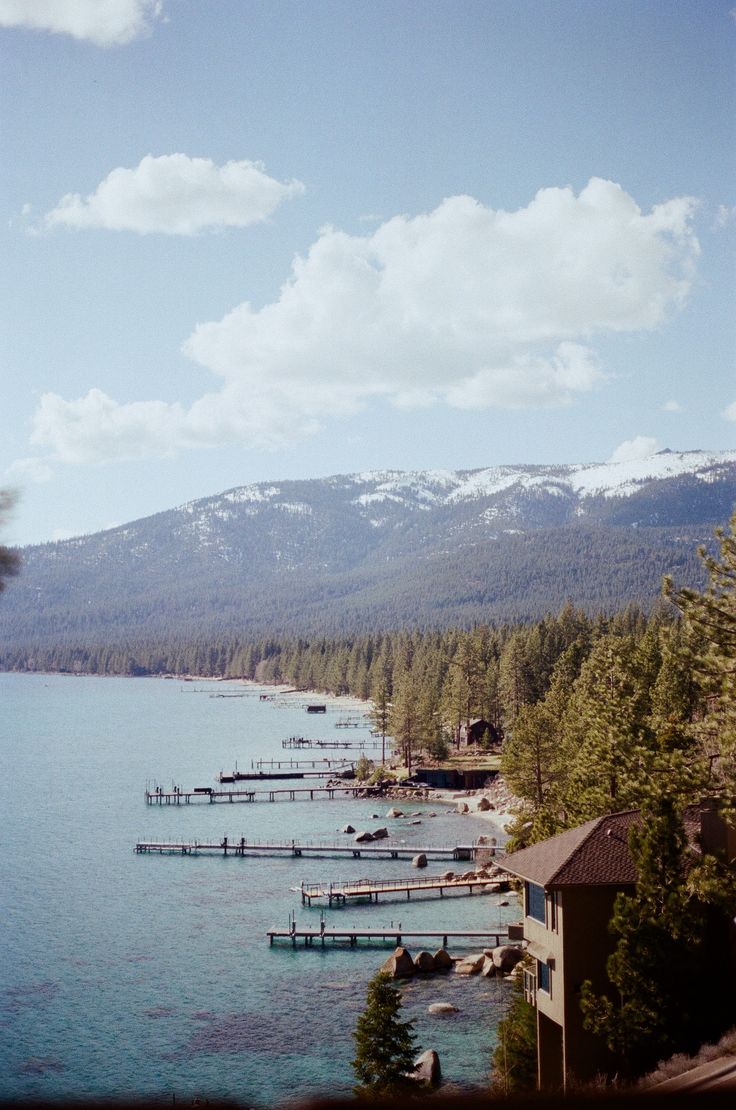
381,549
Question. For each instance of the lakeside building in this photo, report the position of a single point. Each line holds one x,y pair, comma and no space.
570,883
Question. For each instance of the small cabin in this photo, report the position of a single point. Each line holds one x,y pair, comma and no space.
482,733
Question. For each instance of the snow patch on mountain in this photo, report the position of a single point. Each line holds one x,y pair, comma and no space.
621,479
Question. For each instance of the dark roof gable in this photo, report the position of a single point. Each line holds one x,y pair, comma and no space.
594,854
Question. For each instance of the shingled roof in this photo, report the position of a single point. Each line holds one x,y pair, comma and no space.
594,854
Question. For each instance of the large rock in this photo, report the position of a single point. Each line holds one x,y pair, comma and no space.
400,965
442,1008
348,829
488,968
424,961
463,807
419,860
447,875
483,805
427,1068
471,965
393,812
363,837
443,961
380,834
506,957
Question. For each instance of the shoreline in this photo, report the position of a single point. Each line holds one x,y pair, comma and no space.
498,794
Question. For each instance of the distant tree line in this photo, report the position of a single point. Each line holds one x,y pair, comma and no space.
426,686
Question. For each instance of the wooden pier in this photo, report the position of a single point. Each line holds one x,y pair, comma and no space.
301,743
340,764
243,847
267,776
339,892
395,935
179,797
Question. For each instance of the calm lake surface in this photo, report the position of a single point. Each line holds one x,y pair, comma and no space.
125,975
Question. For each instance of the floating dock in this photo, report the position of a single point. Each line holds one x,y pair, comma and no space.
179,797
340,892
395,935
243,847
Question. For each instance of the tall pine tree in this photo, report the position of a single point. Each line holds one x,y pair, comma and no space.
385,1045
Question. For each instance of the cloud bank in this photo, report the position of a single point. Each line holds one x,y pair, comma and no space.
466,306
176,195
102,22
640,447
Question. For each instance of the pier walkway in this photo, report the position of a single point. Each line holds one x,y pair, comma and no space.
266,776
178,797
340,892
245,847
393,934
339,764
300,743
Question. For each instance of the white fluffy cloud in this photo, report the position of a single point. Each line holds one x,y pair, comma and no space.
466,305
640,447
672,406
730,412
30,470
176,195
102,22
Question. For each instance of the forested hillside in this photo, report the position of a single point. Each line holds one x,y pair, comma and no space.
358,553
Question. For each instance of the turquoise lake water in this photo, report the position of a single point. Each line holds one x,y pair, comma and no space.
125,975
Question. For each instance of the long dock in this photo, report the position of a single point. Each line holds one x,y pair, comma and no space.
300,743
243,847
339,764
267,776
178,797
340,892
393,934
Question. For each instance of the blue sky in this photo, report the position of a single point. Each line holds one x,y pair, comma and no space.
253,241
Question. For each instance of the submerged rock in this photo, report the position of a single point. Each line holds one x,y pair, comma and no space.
348,829
393,812
380,834
363,837
442,1008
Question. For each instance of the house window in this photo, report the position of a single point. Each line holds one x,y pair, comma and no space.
535,901
544,977
552,911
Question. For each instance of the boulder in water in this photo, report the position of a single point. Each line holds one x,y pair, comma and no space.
427,1068
443,960
400,965
442,1008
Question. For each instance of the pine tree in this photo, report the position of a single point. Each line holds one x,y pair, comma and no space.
9,561
385,1045
658,1004
710,617
514,1060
